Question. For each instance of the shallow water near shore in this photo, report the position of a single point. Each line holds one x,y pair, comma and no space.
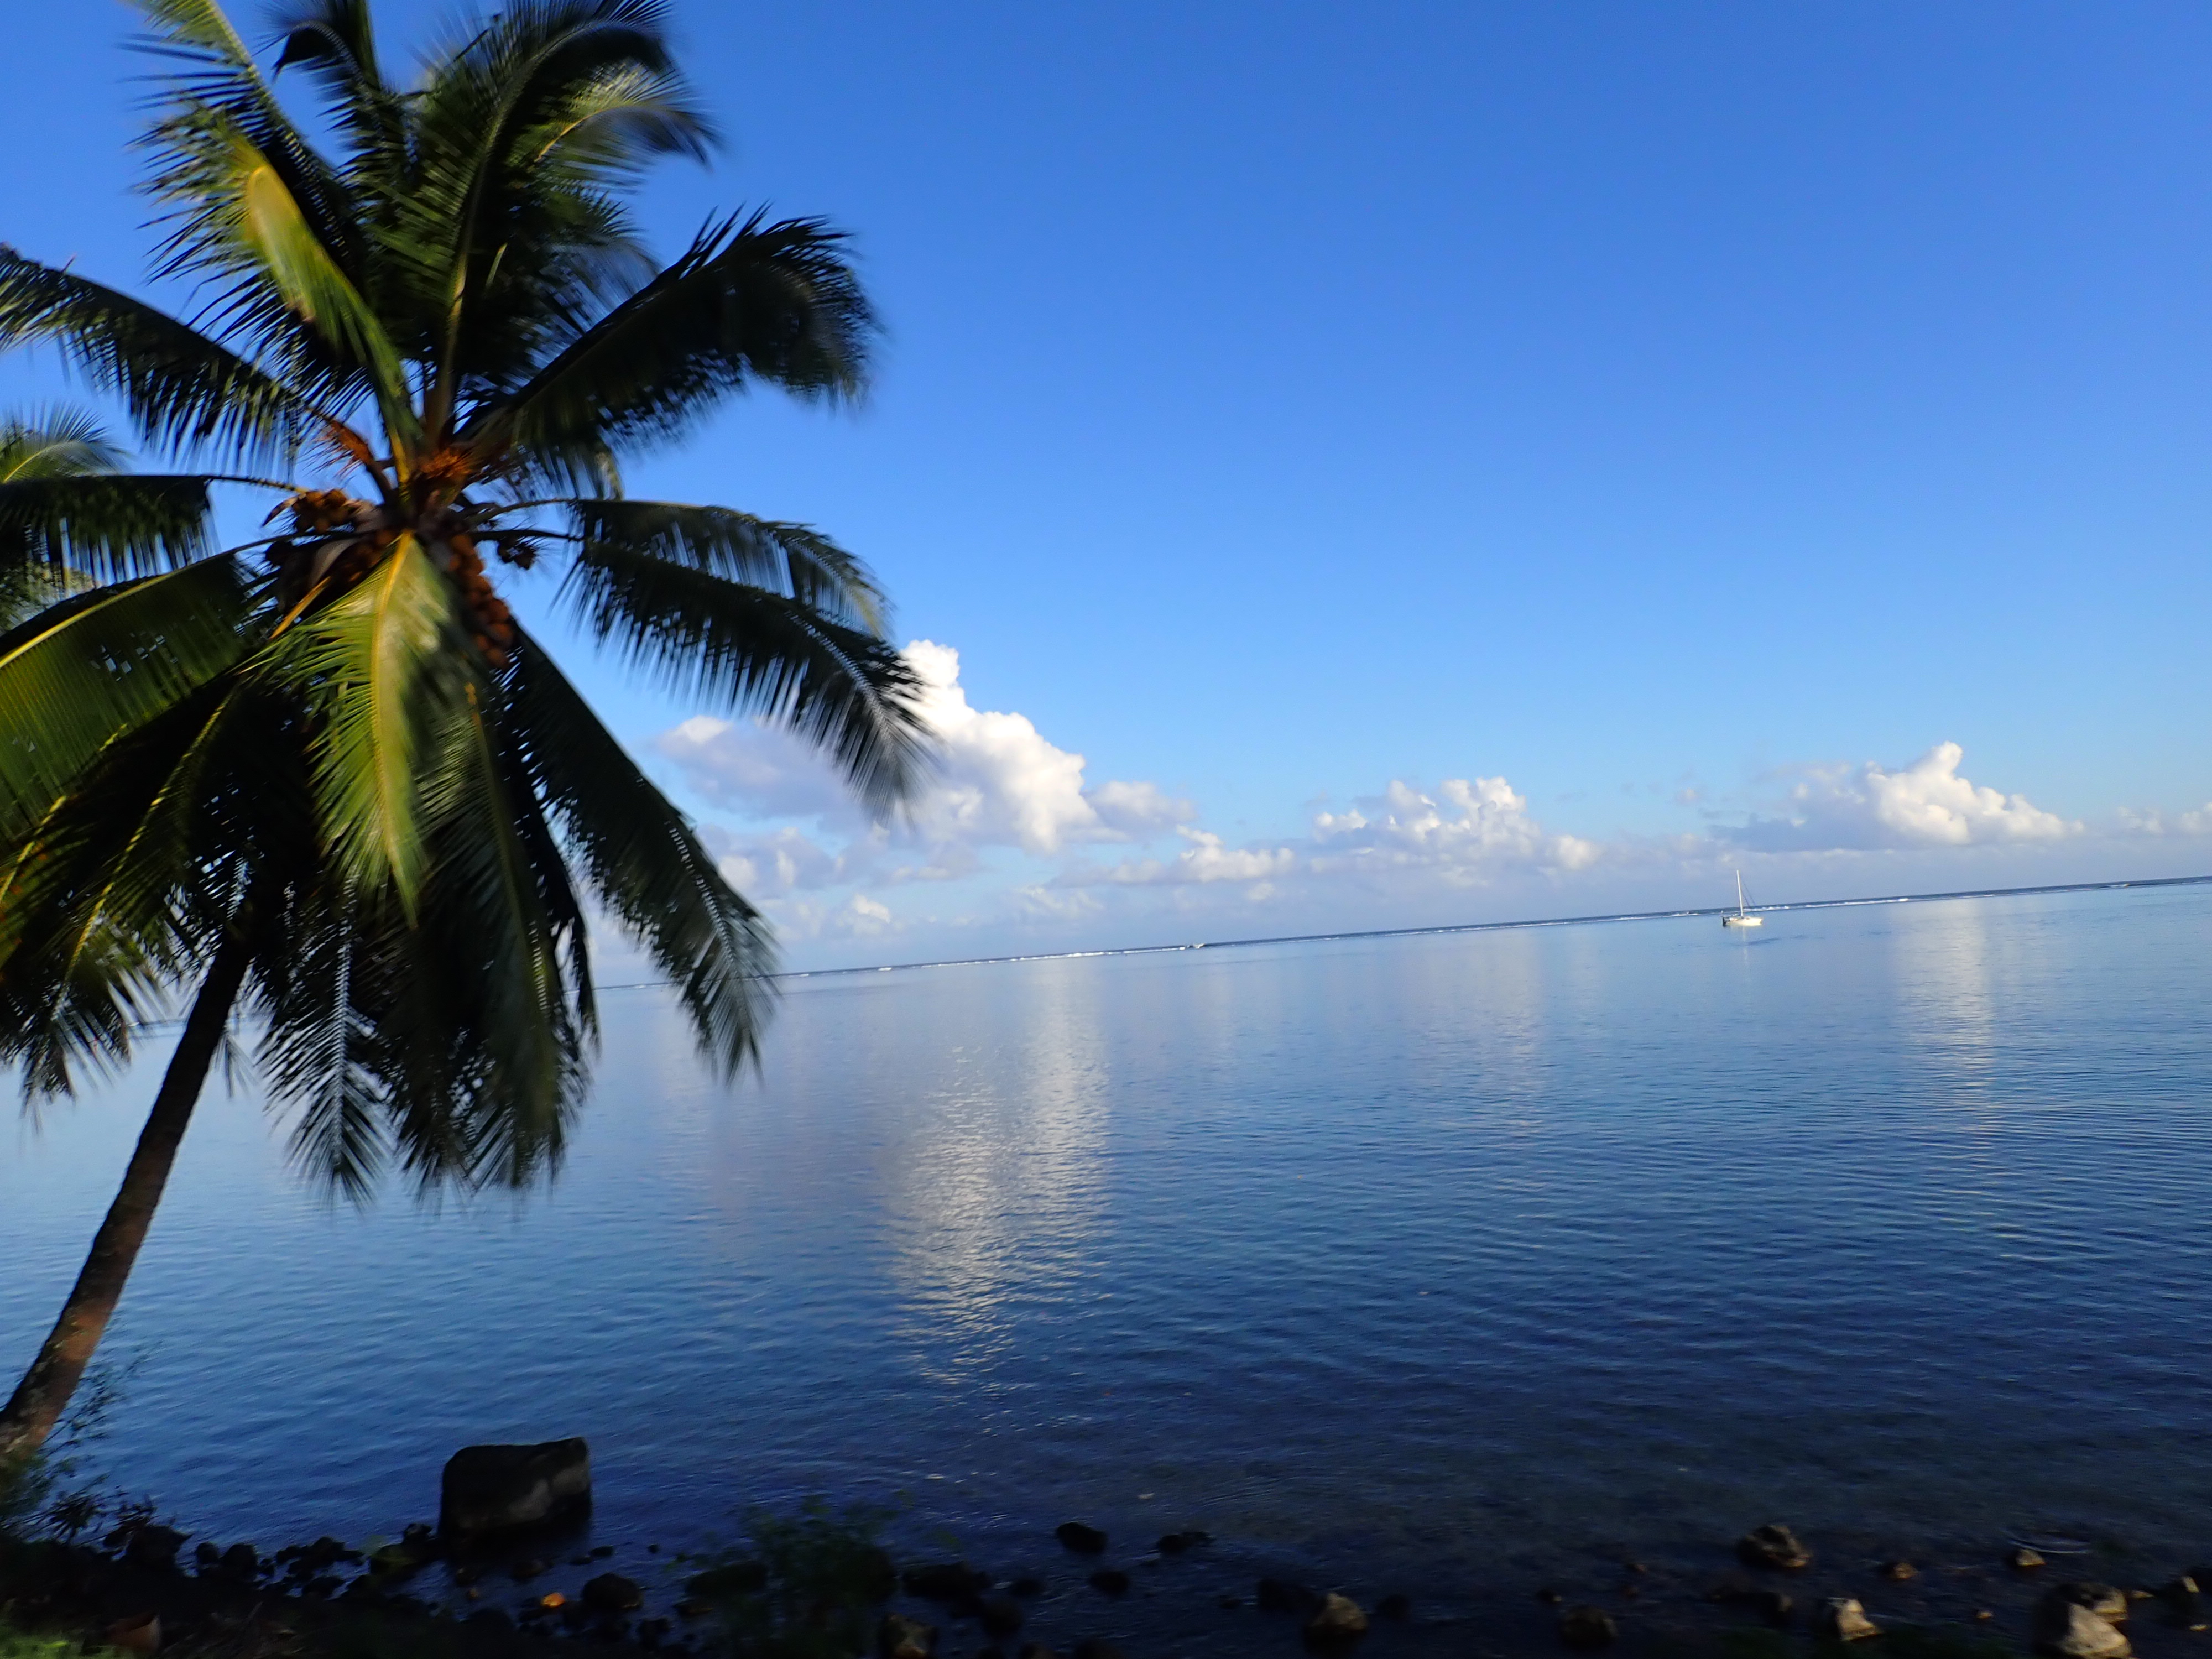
1450,1264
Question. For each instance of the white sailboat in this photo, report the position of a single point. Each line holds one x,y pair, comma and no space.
1742,918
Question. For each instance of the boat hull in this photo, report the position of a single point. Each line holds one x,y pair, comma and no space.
1743,921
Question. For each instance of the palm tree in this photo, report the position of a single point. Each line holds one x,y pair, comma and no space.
322,780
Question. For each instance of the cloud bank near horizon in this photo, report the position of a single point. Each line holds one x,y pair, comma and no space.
1012,839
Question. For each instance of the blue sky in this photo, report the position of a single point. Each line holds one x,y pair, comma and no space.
1691,415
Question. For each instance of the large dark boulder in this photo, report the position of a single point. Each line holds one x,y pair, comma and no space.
494,1489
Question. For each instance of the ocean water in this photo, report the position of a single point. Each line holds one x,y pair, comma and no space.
1459,1265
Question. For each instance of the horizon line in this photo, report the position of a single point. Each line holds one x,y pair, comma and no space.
1465,928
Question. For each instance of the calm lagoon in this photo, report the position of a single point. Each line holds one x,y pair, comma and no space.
1452,1263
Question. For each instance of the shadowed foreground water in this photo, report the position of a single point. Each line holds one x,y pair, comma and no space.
1440,1263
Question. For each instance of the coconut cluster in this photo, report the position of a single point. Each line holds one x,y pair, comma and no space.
334,537
337,540
491,625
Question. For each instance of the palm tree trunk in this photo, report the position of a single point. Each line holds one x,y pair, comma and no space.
44,1394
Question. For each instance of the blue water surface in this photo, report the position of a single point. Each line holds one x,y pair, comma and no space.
1453,1261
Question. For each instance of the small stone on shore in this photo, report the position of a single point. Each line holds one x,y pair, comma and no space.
1844,1620
612,1592
1587,1627
901,1637
2024,1559
2066,1630
1339,1619
1900,1570
1772,1545
2106,1602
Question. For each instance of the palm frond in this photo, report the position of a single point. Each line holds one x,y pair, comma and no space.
378,668
55,443
112,526
183,390
83,671
749,301
111,897
644,861
795,560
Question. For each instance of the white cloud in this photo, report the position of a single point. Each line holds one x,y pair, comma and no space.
999,781
1411,851
1463,828
1206,859
1926,804
2155,823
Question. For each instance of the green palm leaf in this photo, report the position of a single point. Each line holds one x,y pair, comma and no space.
84,671
795,560
378,668
646,864
748,301
182,389
748,649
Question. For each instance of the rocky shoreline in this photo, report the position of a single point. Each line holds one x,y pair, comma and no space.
507,1574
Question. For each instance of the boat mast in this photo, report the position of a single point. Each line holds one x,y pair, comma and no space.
1739,892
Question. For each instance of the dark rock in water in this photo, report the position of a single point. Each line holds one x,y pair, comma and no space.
1772,1545
1771,1605
602,1552
154,1547
207,1555
493,1489
2066,1629
1587,1627
579,1560
1175,1543
2106,1602
1084,1540
612,1592
1001,1618
1338,1622
1845,1621
1900,1570
1281,1595
2021,1558
944,1581
901,1637
1026,1587
694,1607
240,1561
527,1568
1095,1647
1395,1606
1110,1580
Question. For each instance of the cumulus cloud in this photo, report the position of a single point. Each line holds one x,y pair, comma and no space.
1000,782
1461,828
2197,822
1926,804
827,872
1463,833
